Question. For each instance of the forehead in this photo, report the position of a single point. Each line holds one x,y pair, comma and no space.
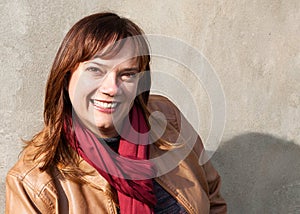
117,53
124,48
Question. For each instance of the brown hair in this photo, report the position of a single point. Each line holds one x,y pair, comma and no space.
82,42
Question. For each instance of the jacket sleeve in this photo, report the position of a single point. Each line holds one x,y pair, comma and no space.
20,197
213,179
217,203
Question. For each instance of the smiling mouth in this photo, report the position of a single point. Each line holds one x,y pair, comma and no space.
104,105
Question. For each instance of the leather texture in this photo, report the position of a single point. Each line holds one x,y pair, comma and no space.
196,187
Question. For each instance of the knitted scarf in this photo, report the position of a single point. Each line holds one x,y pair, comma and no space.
129,172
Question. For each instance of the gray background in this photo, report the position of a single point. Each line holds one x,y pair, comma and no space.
253,47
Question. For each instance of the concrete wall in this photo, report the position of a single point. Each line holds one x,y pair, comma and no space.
253,46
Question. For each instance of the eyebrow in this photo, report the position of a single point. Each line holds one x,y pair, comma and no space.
134,68
130,69
86,62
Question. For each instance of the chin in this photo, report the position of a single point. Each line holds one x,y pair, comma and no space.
102,125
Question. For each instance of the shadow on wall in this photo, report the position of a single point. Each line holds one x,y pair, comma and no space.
260,174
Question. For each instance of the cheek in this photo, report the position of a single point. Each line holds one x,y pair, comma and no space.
72,87
130,90
80,86
76,88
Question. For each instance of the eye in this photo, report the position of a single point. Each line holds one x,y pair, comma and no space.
129,76
95,71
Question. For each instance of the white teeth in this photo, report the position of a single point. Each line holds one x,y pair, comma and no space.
104,104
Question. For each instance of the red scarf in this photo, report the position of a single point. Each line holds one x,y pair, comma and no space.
129,172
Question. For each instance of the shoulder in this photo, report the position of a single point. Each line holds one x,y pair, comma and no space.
26,169
165,106
177,128
159,102
26,178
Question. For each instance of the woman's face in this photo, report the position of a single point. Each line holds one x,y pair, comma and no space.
102,90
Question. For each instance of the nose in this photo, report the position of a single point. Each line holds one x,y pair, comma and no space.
109,84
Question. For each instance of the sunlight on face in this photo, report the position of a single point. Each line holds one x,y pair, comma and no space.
102,90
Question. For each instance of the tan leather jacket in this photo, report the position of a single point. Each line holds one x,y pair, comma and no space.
28,190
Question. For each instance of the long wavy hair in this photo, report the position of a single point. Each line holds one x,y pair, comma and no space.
83,41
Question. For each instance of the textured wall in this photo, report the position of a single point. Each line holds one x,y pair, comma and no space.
254,47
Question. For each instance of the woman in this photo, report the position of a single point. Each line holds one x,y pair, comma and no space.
99,151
